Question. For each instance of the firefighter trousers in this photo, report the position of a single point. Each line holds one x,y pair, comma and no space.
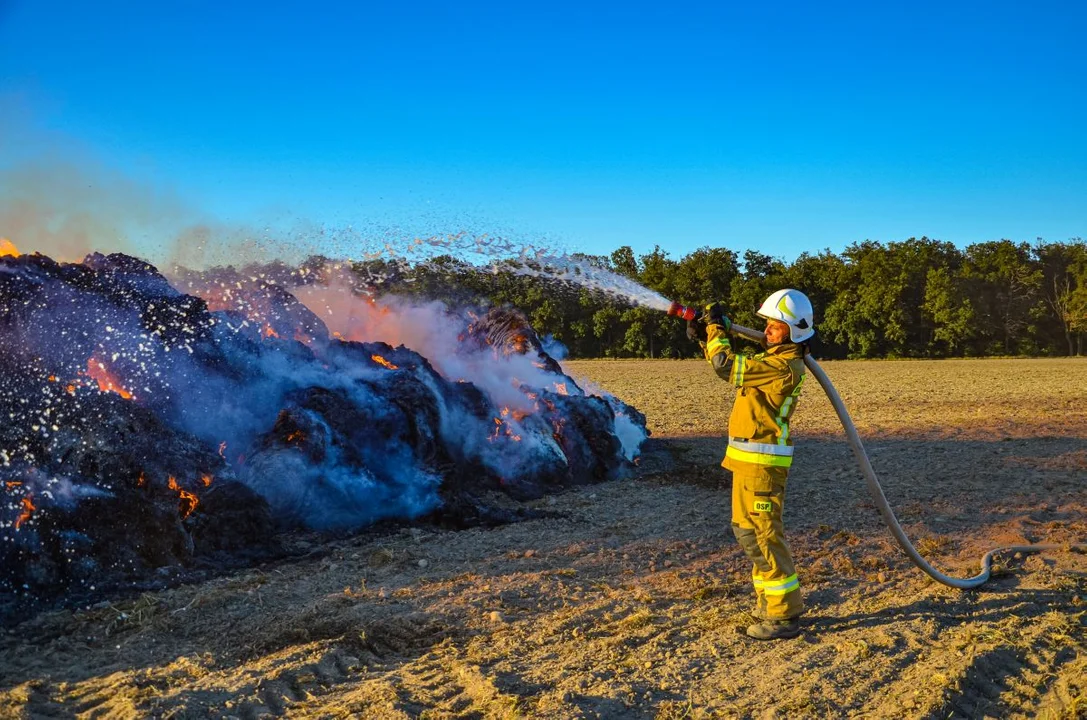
758,499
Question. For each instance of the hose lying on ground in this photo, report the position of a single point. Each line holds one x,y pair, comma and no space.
877,491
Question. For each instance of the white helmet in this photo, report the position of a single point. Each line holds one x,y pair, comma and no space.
793,308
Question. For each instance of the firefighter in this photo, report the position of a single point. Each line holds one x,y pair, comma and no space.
760,447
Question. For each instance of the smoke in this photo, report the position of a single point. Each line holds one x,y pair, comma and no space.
439,332
431,329
60,209
328,301
554,347
68,208
59,198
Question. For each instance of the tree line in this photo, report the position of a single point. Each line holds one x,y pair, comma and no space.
918,298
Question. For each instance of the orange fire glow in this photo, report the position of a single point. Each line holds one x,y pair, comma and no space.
269,332
206,479
12,484
382,361
141,480
188,500
560,388
499,423
105,379
296,436
8,249
28,510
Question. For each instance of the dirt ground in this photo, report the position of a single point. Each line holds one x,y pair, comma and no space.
629,598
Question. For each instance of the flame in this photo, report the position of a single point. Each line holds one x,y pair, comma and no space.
188,500
296,435
558,424
560,388
382,361
8,249
141,481
105,379
28,510
12,484
499,423
206,479
71,389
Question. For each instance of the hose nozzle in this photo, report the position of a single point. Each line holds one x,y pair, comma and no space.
684,311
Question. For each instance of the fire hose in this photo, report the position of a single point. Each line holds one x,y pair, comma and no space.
874,488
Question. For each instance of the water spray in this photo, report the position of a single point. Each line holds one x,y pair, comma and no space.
874,488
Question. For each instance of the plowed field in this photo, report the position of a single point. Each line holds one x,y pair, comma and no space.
628,599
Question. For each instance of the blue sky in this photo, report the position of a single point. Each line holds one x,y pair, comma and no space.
790,127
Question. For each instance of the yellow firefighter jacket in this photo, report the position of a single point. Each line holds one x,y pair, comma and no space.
768,387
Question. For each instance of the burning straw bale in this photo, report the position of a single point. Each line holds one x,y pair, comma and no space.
148,428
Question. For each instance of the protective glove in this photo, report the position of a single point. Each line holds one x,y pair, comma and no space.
696,331
715,315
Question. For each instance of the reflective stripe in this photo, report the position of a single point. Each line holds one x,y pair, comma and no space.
756,458
782,421
782,418
714,345
738,369
781,587
764,448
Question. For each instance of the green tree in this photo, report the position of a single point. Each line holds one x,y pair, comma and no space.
1064,286
819,277
1005,284
607,329
704,275
622,261
949,311
762,275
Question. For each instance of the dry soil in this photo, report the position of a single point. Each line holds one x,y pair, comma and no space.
629,598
